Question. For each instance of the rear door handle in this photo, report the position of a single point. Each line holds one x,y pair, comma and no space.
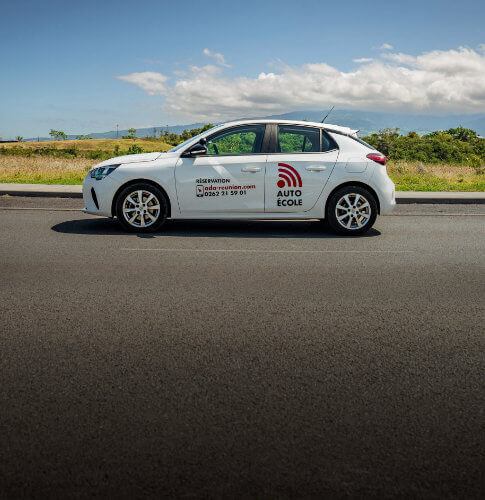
316,169
251,169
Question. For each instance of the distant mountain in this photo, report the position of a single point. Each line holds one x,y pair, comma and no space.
144,132
365,121
140,132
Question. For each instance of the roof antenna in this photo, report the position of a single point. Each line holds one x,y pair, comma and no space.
326,116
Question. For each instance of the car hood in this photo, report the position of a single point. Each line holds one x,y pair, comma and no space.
138,158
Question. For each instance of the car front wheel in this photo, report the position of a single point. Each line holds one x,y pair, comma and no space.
141,208
351,210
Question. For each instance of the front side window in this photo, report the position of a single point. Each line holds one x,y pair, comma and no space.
237,141
294,139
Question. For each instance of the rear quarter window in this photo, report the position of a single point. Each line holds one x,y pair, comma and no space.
328,143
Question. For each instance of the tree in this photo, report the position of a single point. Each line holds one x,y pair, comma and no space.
174,139
19,138
463,134
58,134
384,140
187,134
131,133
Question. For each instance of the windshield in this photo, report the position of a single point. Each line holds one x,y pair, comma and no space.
198,136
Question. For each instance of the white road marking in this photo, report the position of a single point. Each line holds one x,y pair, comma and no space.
43,209
434,215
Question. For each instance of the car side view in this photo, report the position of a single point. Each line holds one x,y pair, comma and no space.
248,169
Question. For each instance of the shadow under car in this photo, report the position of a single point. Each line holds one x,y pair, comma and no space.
211,228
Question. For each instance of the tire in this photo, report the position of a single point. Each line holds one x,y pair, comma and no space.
145,217
351,210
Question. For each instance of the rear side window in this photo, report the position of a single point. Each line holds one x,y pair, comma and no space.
294,139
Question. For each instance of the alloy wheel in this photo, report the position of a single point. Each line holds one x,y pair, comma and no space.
141,208
353,211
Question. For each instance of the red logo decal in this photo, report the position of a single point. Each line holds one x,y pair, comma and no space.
288,176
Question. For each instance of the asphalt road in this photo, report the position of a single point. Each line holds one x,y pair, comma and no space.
241,359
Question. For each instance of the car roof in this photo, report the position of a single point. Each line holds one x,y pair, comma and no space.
326,126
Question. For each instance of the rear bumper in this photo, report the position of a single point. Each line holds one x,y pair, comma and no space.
386,190
387,200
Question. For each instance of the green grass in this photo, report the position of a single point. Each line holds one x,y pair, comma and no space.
71,180
409,182
416,176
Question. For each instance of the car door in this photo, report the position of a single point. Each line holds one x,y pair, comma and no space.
300,162
229,178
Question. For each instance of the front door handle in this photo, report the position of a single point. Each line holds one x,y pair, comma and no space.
315,168
251,169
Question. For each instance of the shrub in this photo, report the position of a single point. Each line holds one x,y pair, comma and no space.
134,149
97,155
457,145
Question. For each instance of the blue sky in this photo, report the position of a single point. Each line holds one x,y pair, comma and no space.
62,61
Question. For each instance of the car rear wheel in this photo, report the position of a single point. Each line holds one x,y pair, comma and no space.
351,210
141,208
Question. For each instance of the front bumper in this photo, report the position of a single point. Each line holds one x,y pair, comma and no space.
98,195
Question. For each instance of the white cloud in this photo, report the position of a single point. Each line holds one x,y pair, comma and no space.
399,58
386,46
438,81
363,60
217,56
151,82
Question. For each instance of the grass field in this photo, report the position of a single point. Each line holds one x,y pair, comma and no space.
90,145
407,176
43,169
416,176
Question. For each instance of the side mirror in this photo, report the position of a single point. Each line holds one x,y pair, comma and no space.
198,149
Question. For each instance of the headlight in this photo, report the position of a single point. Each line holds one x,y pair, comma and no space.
101,172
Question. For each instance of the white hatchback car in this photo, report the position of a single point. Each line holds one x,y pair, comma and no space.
248,169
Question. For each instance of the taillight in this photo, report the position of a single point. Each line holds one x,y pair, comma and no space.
378,158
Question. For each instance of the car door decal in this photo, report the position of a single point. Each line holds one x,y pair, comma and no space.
288,177
214,187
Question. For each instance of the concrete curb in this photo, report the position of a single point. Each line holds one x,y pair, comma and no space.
402,197
437,197
44,190
41,194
